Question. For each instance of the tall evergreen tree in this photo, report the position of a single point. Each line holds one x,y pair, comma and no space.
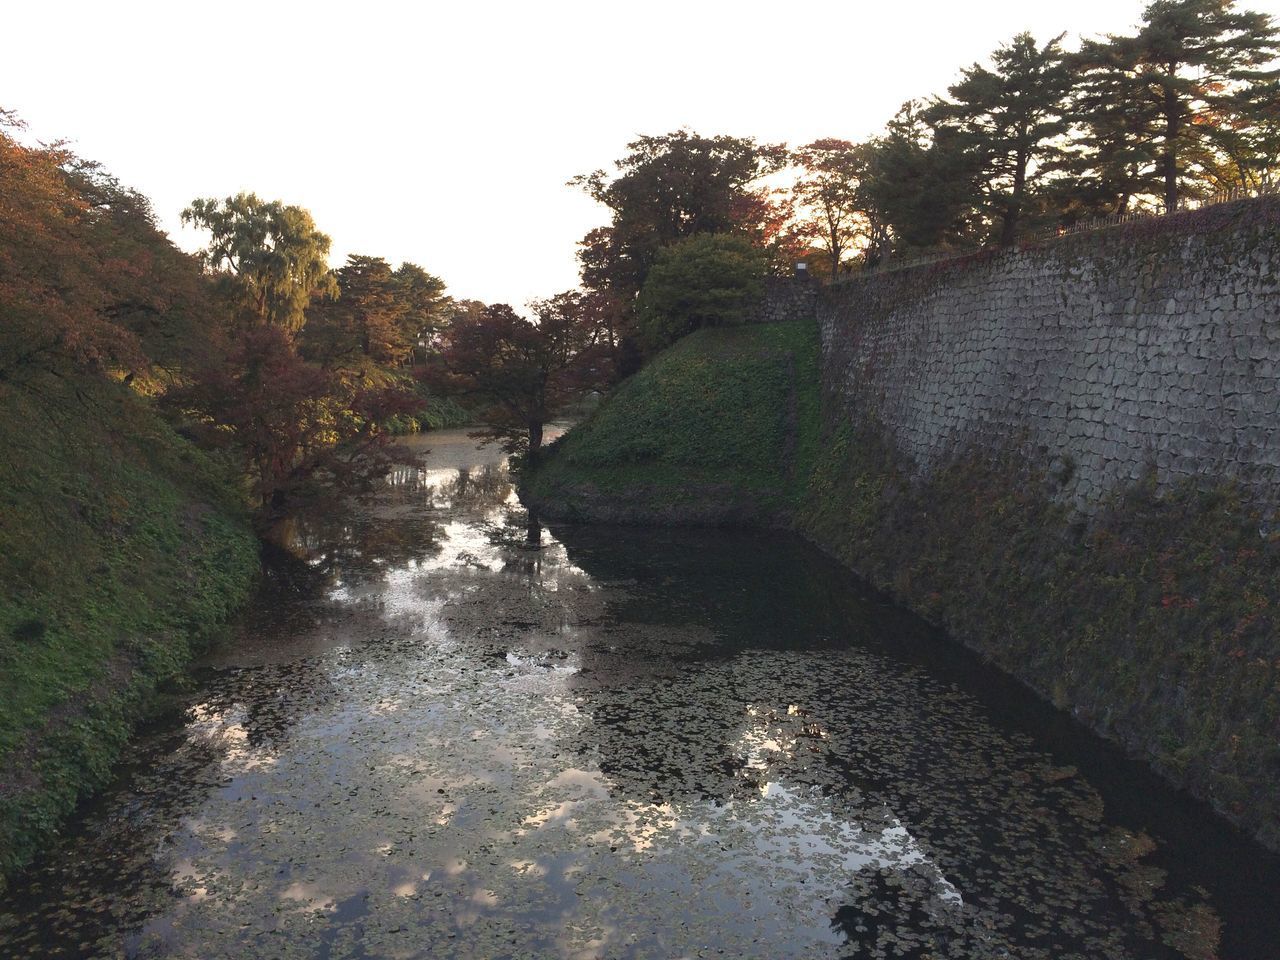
1172,97
1011,117
923,182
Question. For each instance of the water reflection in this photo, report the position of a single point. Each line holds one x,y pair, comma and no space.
447,725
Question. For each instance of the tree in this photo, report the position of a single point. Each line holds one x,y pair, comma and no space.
670,187
1011,118
1195,71
378,317
424,303
830,188
707,280
525,373
1252,143
270,256
363,323
86,278
923,180
293,424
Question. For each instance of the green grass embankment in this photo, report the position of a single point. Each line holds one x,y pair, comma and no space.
122,547
720,429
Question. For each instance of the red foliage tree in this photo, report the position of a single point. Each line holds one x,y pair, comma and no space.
526,372
294,424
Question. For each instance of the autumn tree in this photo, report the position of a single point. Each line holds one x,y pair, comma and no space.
377,317
1010,118
86,277
524,372
269,256
674,186
362,323
1196,72
829,189
294,425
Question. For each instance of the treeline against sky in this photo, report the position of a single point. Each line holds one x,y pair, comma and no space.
1182,108
299,373
254,347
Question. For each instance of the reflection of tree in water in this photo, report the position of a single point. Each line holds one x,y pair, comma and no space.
267,700
477,489
126,835
357,545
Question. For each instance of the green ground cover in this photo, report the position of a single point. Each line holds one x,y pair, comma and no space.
122,548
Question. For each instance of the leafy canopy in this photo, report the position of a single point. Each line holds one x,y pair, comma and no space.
671,187
708,280
269,255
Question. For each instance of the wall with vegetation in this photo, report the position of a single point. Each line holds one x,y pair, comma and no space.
1155,344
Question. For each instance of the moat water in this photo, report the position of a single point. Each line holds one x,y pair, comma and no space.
447,731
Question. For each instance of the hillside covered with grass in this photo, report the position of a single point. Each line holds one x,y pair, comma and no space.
722,428
122,547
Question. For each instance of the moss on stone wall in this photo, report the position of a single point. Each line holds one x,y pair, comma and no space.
1154,622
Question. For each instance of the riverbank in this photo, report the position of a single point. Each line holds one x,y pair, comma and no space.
122,550
464,728
721,431
1151,622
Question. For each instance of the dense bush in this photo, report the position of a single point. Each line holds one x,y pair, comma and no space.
708,280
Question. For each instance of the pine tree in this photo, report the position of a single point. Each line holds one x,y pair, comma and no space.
1171,102
1011,117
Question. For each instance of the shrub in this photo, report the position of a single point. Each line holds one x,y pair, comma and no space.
708,280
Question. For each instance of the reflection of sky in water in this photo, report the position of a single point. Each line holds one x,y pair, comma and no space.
480,749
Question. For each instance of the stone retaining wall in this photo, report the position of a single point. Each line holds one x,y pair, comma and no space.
1153,344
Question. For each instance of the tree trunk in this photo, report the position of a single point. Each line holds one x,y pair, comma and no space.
535,438
1169,158
1013,208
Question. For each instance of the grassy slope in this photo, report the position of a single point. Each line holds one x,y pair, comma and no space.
121,545
722,427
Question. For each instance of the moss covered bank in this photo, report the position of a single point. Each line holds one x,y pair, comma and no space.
721,430
122,548
1154,621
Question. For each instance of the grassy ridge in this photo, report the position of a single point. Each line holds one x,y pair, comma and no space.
121,547
722,427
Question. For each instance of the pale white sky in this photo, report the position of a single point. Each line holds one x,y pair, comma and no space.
444,133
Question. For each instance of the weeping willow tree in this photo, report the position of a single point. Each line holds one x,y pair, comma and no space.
270,256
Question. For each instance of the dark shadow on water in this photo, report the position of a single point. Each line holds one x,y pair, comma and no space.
1085,800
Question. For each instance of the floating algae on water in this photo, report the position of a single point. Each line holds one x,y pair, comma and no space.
448,733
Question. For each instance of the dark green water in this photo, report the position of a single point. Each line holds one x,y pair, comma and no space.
450,733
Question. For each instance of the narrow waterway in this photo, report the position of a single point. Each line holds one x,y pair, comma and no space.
448,732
